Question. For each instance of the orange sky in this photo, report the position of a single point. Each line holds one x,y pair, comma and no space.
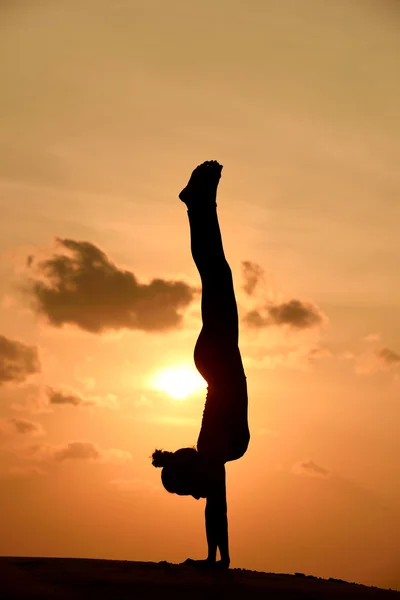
106,106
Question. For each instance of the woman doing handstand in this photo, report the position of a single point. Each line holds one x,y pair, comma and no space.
224,434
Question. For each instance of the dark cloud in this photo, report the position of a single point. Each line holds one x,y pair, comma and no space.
294,313
81,286
62,397
255,319
14,426
311,469
26,427
17,360
72,398
389,357
252,274
77,451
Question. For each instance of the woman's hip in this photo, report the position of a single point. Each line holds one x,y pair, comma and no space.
218,359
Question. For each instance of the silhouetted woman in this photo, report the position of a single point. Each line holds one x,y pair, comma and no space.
224,434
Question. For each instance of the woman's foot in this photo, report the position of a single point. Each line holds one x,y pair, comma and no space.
203,183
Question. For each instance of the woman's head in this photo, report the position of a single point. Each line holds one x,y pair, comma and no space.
179,471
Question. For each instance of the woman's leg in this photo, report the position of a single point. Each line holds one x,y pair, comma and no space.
217,357
218,303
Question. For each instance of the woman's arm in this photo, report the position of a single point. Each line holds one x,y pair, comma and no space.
217,519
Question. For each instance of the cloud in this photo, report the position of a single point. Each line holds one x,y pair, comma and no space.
372,337
276,356
15,426
88,382
17,361
144,401
346,355
25,472
318,353
252,274
81,286
254,319
310,468
44,399
35,400
62,397
374,361
389,357
294,313
72,398
134,485
23,426
77,451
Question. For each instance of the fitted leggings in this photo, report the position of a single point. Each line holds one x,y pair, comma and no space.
224,433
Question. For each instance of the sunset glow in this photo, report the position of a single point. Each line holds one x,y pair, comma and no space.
107,108
179,382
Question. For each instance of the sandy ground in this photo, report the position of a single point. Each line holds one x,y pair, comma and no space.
75,579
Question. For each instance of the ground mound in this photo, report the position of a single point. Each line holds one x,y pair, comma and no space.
76,579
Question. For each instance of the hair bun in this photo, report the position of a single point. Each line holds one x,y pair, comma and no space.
161,458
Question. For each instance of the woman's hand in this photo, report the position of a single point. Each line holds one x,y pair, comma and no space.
208,563
200,564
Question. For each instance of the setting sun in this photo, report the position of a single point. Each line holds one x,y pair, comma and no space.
178,382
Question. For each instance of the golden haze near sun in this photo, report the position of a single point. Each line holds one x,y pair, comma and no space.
178,381
106,107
